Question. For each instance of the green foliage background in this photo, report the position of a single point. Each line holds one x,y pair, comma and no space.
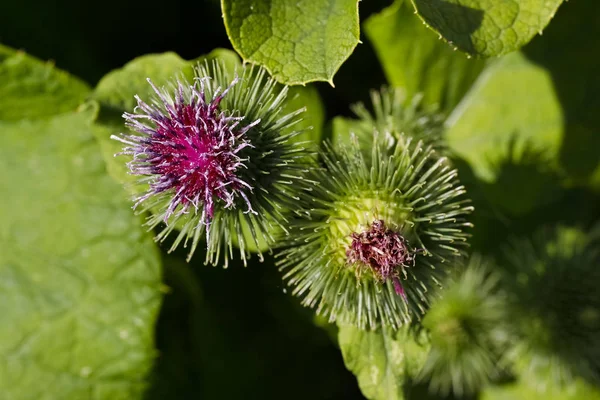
91,308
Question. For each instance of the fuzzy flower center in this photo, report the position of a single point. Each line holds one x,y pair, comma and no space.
384,251
189,149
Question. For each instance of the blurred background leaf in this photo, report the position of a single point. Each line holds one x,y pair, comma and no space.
30,88
529,154
564,53
513,102
523,391
416,59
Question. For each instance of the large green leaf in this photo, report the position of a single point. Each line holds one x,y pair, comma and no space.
384,362
564,51
487,27
509,129
79,279
513,99
297,41
415,59
30,88
118,88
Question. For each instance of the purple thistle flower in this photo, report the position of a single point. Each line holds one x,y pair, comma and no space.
217,163
384,251
187,146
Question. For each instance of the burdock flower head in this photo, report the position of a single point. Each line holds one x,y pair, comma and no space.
370,242
467,332
214,156
555,304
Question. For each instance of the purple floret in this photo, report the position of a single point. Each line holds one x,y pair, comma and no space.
190,149
384,251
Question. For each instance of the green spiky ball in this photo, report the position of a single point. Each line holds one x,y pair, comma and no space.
468,331
555,278
408,200
394,116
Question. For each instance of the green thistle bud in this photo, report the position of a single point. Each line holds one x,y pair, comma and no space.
555,279
213,158
371,240
467,331
394,117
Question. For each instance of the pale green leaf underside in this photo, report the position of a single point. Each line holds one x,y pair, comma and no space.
30,88
414,58
383,362
79,279
487,27
118,88
512,100
297,41
509,128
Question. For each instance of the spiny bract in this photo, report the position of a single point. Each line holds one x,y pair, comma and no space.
373,237
394,117
213,157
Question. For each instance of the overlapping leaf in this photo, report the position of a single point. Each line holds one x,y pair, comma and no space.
487,27
297,41
415,59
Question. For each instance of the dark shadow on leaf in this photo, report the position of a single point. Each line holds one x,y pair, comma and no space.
566,50
487,219
524,180
526,194
455,22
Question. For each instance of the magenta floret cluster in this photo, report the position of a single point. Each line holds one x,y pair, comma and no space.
187,147
384,251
